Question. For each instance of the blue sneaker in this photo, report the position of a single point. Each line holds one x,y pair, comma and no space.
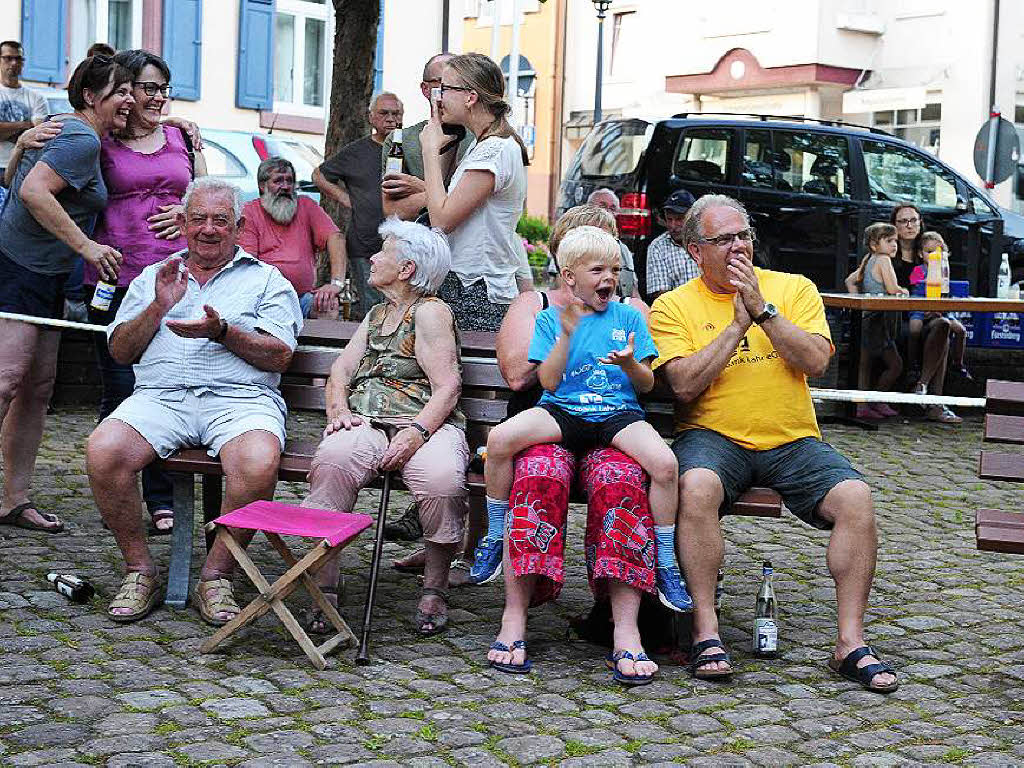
486,561
672,589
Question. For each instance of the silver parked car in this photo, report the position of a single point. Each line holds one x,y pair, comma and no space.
235,156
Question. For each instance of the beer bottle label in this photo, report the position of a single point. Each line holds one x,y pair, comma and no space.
766,636
394,165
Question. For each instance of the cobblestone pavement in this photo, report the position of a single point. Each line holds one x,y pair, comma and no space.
76,689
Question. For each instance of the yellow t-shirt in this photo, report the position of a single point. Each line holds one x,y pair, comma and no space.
758,401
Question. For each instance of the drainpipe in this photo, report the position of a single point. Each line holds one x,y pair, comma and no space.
445,11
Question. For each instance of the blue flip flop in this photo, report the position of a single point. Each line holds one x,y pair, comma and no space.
511,669
612,661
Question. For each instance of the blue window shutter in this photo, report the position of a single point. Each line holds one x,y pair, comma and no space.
183,40
378,56
42,34
255,86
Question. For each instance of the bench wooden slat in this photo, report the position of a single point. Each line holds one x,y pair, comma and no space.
1004,429
997,518
994,539
1004,397
995,465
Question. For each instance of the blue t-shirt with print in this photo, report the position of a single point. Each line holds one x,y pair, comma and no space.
589,389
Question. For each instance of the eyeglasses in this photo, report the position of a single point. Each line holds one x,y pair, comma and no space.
722,241
152,88
907,222
453,88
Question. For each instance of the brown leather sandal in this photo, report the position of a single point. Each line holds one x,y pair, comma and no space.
213,597
140,593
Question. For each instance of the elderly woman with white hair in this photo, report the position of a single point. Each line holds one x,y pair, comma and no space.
402,367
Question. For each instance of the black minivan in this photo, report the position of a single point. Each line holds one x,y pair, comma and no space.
811,187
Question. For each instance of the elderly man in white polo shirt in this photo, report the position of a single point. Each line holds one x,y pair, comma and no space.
209,330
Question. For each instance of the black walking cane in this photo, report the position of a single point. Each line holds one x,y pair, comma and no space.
363,658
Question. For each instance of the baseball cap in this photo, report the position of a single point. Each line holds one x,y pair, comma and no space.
679,201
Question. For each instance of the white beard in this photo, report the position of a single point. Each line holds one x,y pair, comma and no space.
280,209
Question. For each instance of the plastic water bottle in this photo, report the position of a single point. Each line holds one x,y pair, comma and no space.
945,272
1003,282
766,627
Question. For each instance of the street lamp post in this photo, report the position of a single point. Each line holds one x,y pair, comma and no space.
602,9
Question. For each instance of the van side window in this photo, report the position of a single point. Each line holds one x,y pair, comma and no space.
895,173
703,154
812,163
761,163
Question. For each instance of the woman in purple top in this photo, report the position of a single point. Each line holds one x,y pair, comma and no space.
146,167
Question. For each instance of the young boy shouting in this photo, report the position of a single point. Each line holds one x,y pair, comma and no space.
594,356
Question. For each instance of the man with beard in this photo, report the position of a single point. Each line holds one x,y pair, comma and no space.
351,177
287,230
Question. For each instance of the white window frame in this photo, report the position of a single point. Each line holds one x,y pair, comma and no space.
100,33
300,10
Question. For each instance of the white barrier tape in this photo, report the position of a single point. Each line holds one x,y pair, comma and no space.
835,395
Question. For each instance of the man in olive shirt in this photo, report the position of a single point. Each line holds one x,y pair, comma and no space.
351,177
403,194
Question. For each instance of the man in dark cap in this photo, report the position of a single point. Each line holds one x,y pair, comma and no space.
668,263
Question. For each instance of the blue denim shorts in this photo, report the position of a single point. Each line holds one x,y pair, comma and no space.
802,472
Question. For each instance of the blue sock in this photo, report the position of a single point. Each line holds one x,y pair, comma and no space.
665,535
497,509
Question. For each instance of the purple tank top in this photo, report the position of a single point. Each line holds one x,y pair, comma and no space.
137,185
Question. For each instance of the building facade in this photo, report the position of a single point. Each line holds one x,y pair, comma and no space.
250,65
920,69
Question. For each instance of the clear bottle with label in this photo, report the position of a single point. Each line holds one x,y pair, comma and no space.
766,626
1003,281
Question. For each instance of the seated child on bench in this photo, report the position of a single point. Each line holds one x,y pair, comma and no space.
594,356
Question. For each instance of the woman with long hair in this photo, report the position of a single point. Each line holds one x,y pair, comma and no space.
483,202
927,333
47,221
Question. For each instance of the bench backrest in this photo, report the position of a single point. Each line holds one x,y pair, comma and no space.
484,391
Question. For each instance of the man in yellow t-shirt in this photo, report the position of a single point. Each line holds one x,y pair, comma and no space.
736,345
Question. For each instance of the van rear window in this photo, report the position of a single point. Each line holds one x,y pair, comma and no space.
614,149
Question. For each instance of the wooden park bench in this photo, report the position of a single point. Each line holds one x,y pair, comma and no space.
999,531
484,396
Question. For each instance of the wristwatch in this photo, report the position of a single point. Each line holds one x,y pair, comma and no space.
338,283
770,311
424,432
222,332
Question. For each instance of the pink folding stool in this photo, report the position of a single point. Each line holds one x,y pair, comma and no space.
334,529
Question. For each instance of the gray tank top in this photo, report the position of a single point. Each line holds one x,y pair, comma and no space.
869,283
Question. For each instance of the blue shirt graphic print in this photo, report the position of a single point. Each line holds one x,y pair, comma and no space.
590,390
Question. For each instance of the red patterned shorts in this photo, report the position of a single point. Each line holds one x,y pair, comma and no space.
619,540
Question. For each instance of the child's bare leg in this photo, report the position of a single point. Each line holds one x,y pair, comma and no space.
957,343
893,368
526,429
640,441
914,329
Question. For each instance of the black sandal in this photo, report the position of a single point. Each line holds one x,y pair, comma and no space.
316,621
431,623
17,518
698,662
864,675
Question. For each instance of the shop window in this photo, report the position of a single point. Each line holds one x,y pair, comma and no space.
918,126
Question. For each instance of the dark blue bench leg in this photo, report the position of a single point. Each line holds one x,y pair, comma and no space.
181,545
